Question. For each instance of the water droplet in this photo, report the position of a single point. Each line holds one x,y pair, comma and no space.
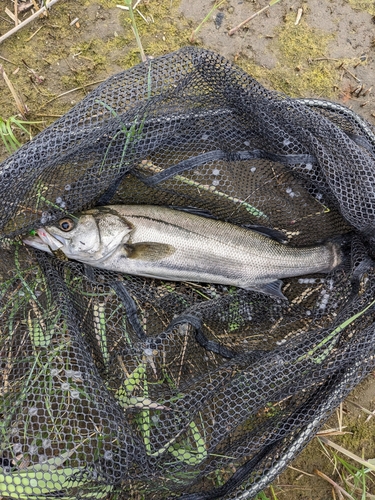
33,411
17,448
33,449
77,376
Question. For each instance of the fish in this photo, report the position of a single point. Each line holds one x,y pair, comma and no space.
174,245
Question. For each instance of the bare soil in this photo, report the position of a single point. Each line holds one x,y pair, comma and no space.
54,62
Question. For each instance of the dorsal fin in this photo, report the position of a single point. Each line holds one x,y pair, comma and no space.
274,234
194,210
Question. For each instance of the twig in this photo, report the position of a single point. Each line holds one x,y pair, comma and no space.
48,116
20,105
142,16
300,471
337,487
351,74
365,410
348,453
27,21
73,90
10,14
339,412
333,432
7,60
324,59
299,15
6,19
16,22
35,32
236,28
127,8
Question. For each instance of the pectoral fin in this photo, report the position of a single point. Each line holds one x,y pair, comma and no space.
273,289
149,251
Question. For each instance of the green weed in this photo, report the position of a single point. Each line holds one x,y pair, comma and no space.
8,131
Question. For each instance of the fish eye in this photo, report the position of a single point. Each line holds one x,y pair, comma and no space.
66,224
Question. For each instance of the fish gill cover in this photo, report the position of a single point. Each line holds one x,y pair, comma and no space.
117,386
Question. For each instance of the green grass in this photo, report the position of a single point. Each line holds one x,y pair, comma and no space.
353,477
263,496
10,128
206,18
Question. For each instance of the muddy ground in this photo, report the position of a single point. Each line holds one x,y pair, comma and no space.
330,53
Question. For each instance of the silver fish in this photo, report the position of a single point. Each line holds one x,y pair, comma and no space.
160,242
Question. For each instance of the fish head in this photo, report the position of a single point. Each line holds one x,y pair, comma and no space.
87,237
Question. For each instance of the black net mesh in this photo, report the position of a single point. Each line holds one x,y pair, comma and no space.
117,386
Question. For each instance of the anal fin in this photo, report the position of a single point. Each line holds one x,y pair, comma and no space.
273,288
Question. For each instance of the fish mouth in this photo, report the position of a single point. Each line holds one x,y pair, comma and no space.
38,243
53,242
44,241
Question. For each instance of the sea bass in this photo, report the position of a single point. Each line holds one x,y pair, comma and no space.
160,242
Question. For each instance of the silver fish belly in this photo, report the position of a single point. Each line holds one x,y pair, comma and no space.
168,244
214,251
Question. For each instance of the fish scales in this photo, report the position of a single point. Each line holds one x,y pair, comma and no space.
240,253
169,244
